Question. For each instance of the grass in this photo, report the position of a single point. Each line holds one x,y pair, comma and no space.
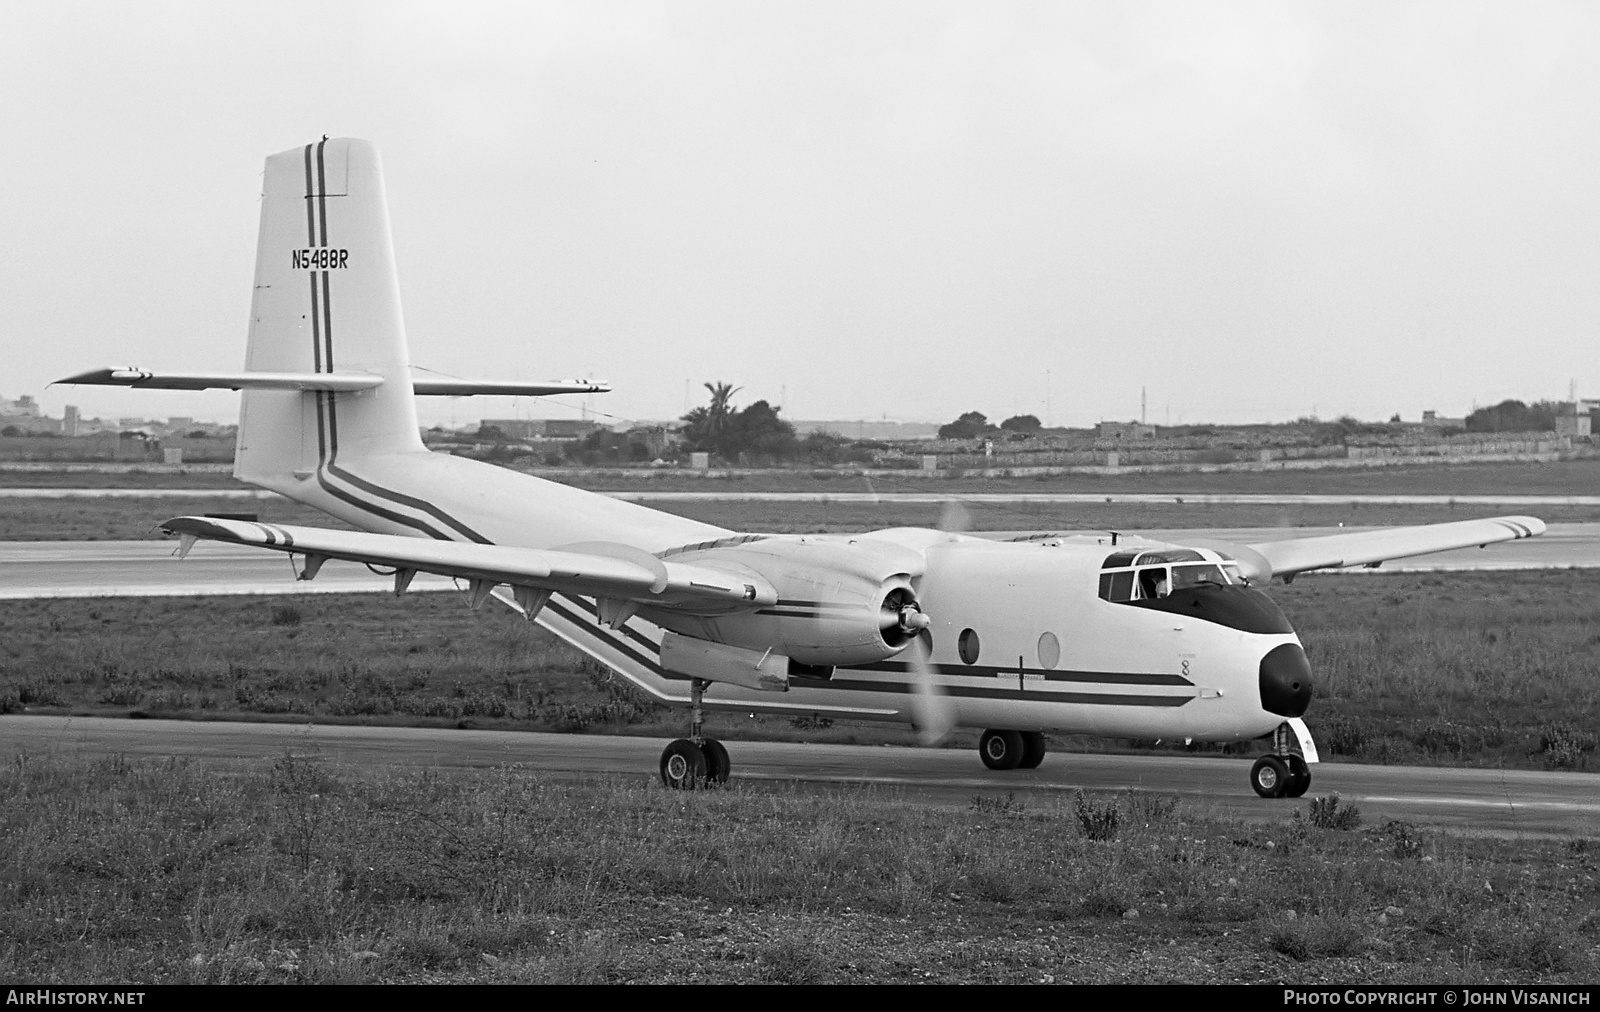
1406,667
136,519
123,519
307,871
1567,477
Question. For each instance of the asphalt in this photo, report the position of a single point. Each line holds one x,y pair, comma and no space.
1499,802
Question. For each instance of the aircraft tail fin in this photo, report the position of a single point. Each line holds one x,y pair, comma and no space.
326,298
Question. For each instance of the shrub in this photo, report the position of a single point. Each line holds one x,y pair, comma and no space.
1564,744
810,722
1403,840
1104,902
1145,809
1343,735
1327,813
1316,937
1098,818
285,614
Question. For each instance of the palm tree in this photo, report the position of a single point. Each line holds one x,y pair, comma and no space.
719,414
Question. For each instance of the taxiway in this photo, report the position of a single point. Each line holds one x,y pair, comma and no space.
1475,800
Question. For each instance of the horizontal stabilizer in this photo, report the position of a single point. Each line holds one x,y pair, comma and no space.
335,381
696,589
512,388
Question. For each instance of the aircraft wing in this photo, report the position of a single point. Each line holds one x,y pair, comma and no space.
1362,548
613,572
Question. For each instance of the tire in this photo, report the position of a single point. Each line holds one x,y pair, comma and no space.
1001,750
1299,778
683,766
1033,750
718,765
1270,776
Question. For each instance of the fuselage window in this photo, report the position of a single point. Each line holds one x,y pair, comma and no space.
1049,650
967,646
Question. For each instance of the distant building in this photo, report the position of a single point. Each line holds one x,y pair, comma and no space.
1124,430
882,430
1573,420
542,428
1433,420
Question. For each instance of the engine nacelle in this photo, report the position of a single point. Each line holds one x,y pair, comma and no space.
841,600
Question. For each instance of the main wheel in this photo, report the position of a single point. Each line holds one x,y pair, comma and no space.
683,766
1299,777
1001,750
1033,750
718,765
1270,776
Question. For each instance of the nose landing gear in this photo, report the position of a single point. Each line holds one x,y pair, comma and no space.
1283,774
695,762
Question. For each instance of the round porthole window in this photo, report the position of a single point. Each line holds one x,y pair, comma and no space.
1049,651
968,646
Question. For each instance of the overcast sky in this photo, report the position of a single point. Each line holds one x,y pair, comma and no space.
1254,210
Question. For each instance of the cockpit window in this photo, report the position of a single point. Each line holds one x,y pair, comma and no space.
1194,576
1118,560
1148,583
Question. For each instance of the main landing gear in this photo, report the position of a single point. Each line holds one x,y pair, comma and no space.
1011,750
1284,773
692,763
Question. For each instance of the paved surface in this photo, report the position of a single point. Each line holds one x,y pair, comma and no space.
1080,498
1491,801
148,568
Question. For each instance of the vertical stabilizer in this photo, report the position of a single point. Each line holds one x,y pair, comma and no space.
326,298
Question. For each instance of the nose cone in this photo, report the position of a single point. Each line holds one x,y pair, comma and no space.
1286,681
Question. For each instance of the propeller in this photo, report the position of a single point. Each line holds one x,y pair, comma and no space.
931,709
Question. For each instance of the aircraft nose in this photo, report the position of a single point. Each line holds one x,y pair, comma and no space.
1286,681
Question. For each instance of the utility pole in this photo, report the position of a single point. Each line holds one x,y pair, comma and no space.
1144,415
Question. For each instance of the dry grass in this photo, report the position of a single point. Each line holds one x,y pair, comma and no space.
301,870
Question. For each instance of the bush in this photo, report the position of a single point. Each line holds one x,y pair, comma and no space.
1343,735
1316,937
285,614
1564,744
1098,818
1403,840
1327,813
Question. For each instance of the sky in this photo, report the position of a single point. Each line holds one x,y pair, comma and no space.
1249,211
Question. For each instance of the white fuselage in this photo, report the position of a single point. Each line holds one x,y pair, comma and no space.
1045,652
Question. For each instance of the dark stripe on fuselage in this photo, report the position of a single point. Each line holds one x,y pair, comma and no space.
984,692
326,404
989,671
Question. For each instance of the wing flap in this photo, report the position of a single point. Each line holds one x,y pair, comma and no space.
1361,548
690,588
334,381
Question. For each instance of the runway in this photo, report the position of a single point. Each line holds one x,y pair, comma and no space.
1474,800
1520,502
30,569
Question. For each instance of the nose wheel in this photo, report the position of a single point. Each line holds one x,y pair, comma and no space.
1285,774
695,762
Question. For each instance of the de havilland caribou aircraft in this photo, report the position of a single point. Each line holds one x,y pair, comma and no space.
1017,635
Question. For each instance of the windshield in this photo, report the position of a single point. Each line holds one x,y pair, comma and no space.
1146,582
